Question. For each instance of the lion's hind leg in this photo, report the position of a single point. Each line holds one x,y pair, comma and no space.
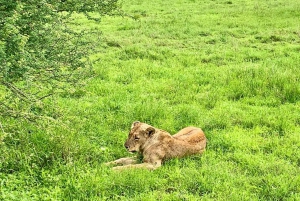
186,134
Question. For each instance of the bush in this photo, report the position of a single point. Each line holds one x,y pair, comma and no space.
40,53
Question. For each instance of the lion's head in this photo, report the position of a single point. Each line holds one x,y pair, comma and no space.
138,135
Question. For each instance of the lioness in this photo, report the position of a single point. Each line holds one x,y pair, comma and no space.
157,145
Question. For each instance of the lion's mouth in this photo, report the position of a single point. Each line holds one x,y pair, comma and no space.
132,151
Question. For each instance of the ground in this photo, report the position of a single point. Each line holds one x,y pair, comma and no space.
229,67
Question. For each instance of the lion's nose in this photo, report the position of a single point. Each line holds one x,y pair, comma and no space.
126,146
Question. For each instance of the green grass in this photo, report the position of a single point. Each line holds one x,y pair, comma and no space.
229,67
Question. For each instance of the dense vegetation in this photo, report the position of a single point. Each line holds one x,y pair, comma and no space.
41,53
229,67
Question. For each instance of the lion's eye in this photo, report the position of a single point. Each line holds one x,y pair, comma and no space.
136,138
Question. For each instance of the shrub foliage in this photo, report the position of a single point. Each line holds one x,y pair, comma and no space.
40,53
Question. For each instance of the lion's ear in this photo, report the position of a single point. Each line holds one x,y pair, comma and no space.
150,131
134,124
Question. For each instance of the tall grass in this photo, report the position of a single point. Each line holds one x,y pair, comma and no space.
230,67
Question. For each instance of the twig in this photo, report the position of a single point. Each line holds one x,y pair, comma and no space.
40,98
8,108
15,89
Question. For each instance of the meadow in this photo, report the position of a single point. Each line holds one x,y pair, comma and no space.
230,67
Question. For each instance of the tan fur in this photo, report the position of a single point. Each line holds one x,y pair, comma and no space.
157,145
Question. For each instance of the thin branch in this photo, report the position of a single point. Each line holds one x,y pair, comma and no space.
40,98
7,107
17,91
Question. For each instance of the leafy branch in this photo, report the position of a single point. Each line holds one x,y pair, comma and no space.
42,54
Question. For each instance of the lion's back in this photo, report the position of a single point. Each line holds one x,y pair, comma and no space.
188,141
192,135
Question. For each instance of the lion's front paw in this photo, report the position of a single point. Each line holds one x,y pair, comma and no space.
118,168
110,163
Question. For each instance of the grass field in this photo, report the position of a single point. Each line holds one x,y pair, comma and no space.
229,67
